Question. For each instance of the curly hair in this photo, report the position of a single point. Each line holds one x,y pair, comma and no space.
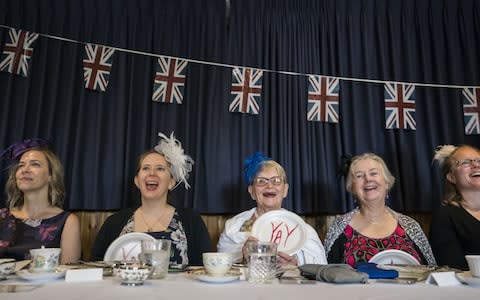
387,175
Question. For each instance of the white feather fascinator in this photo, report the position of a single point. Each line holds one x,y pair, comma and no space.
442,152
180,163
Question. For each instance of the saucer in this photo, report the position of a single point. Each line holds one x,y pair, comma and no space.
229,277
43,276
126,247
467,278
283,227
393,257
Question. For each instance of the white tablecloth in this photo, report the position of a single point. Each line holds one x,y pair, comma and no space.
185,286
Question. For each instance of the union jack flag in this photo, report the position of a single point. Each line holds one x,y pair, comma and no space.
97,64
323,99
471,110
246,90
169,80
399,106
17,52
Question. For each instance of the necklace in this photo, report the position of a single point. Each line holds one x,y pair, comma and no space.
32,222
150,227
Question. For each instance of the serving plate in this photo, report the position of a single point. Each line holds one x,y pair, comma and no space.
203,276
393,257
467,278
41,276
282,227
126,247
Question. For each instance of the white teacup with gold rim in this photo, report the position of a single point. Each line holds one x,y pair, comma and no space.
217,263
44,259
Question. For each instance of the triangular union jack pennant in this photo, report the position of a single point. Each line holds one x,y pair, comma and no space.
17,52
169,80
399,106
97,64
323,99
471,110
246,90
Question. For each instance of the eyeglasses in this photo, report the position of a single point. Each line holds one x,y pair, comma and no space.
469,162
262,181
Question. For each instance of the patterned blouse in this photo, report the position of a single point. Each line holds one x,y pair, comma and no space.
18,236
175,233
360,248
411,227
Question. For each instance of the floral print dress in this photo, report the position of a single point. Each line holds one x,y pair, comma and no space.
174,233
18,236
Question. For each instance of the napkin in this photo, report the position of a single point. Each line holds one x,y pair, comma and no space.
333,273
443,279
79,275
374,272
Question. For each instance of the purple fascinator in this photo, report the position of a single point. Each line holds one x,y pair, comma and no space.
14,151
252,165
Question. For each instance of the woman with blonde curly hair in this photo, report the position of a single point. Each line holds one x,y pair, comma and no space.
455,226
373,227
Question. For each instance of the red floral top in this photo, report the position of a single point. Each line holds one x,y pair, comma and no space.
360,248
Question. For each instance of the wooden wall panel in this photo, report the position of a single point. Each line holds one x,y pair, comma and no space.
90,223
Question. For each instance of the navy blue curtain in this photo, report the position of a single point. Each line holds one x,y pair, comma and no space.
99,135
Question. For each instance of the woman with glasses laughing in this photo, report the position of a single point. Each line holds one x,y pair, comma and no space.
267,186
455,227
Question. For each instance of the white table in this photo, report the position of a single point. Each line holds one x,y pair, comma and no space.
184,286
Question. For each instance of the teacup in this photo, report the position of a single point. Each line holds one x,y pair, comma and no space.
473,264
132,274
217,263
44,259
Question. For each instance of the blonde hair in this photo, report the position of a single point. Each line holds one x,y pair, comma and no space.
56,188
387,175
451,196
271,164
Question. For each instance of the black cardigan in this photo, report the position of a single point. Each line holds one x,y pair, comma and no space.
198,239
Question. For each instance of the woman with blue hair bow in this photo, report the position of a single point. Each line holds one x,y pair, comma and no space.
267,186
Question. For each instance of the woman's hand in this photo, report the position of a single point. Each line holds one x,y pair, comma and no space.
284,259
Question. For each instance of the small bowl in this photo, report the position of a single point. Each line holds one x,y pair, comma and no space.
217,263
132,274
7,266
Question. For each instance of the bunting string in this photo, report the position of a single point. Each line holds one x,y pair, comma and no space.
217,64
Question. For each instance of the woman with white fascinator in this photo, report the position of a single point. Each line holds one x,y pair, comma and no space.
455,227
158,172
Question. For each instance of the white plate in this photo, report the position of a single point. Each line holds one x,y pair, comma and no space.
126,247
393,257
282,227
229,277
5,260
44,276
467,278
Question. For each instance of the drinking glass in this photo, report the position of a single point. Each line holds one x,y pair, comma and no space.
156,253
261,261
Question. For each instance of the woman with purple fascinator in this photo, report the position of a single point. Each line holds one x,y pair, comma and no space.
267,186
159,171
34,216
455,226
